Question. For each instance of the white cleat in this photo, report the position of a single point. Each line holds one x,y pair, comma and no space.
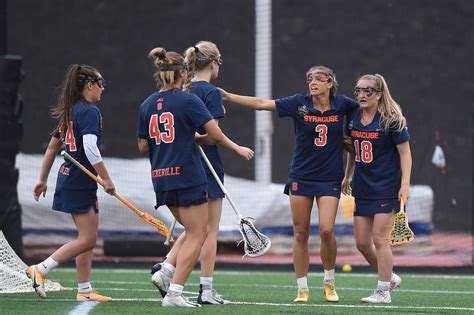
161,281
210,297
394,282
379,296
177,301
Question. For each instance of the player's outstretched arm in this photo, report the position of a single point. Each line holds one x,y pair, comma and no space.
249,101
46,164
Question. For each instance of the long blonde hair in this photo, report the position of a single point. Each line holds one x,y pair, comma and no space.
168,64
199,57
389,109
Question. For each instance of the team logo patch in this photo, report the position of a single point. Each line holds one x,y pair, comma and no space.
159,104
302,110
294,186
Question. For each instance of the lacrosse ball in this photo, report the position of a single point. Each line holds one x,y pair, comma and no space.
346,268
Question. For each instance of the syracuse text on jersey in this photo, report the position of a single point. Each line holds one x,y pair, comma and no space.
321,119
167,171
364,134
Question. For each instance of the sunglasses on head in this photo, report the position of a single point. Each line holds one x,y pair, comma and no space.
319,77
368,91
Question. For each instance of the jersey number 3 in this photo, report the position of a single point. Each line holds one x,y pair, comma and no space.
167,120
322,137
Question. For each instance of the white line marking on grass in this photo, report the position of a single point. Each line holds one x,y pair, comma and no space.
359,306
260,273
84,308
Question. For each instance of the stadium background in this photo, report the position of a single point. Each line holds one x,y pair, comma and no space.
423,48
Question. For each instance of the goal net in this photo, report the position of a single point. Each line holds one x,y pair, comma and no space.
13,278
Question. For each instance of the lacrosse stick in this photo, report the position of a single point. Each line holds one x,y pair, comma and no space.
255,243
170,237
400,232
160,226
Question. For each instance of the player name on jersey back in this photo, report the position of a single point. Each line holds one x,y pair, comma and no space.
168,171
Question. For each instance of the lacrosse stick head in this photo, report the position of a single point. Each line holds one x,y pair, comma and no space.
401,232
255,243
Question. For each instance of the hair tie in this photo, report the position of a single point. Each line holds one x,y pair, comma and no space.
196,49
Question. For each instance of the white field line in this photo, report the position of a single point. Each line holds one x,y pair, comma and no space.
260,273
190,284
84,308
393,307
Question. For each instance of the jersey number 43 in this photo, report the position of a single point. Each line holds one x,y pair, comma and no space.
165,119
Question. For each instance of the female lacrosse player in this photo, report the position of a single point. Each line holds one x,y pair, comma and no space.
167,123
204,61
381,152
316,169
79,132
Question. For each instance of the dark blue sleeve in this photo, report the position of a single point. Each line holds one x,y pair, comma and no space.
400,136
351,106
197,112
287,106
89,121
141,125
213,103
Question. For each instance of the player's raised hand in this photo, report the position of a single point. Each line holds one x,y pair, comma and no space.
245,152
40,188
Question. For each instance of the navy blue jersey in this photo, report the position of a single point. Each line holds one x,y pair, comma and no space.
212,98
377,172
169,120
318,151
86,119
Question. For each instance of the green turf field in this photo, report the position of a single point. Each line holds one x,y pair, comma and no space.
252,293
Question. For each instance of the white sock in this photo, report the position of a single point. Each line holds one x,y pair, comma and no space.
46,266
84,287
383,285
168,269
206,281
302,283
176,288
329,276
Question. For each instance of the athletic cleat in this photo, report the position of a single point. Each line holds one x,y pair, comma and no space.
330,292
92,296
38,280
177,301
379,296
302,297
394,282
161,281
210,297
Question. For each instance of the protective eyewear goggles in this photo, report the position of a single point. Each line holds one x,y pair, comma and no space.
368,91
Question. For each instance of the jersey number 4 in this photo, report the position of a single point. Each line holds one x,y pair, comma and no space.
69,139
364,153
167,120
322,137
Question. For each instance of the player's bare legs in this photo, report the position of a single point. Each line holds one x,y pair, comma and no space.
209,248
381,230
87,225
363,226
194,219
301,215
327,217
327,206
